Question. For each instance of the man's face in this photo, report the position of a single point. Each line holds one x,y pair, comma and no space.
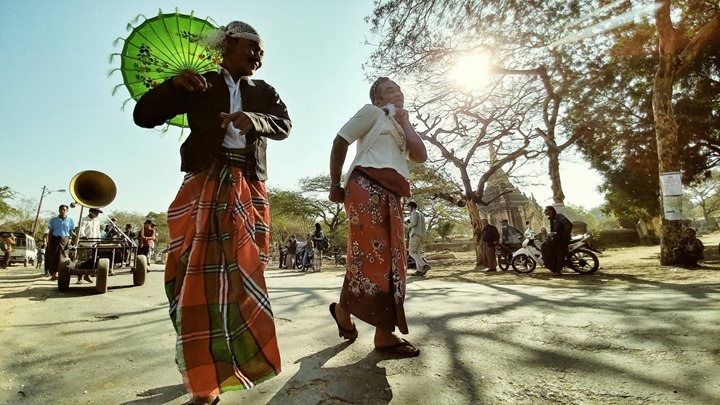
63,212
548,213
388,92
244,54
484,222
504,223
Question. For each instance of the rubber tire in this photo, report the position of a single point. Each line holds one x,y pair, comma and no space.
506,265
101,275
591,262
523,263
64,275
141,267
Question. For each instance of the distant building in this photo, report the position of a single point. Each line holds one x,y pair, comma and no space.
514,206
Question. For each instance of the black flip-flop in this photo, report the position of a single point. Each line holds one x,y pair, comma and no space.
397,349
349,334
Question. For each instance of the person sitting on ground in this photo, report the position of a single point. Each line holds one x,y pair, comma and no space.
689,250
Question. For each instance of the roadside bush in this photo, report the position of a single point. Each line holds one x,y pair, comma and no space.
458,246
618,237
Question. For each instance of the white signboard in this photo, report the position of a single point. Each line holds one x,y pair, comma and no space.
671,183
672,207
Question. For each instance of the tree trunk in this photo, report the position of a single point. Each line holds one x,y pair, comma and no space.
477,234
666,128
554,172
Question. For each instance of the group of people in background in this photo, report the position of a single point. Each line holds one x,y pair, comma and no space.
553,248
61,233
311,252
7,241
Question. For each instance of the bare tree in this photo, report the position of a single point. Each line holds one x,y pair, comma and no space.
474,137
418,34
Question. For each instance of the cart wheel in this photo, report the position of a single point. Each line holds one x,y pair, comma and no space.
140,270
101,275
64,275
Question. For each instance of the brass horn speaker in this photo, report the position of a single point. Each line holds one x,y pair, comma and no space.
92,189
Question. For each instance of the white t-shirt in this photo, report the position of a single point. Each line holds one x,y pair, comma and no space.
384,152
90,228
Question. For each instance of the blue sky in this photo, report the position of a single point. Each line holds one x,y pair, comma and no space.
59,117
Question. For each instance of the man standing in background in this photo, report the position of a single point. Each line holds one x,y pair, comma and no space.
417,235
57,239
490,236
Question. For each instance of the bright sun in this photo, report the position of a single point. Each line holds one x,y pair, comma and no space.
471,71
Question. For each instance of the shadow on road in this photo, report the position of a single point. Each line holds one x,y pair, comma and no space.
362,382
161,395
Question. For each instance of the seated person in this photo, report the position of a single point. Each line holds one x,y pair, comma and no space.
689,250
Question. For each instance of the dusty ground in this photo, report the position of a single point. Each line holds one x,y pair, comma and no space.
633,333
618,266
633,265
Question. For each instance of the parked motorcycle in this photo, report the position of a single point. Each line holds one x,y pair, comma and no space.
581,256
504,256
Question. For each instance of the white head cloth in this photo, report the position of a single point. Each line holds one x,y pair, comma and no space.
236,29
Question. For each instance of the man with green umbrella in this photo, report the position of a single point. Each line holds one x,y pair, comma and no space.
220,218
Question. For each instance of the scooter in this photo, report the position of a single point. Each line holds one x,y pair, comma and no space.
504,255
581,256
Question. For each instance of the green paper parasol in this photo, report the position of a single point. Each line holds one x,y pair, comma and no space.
160,48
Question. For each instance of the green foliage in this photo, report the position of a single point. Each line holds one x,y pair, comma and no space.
5,209
616,112
444,229
595,219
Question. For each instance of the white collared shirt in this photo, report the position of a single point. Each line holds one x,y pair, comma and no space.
233,138
90,228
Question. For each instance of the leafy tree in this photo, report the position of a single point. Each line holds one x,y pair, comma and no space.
444,229
5,209
291,213
331,214
706,196
678,49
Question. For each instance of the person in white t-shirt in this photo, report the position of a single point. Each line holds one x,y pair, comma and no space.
417,235
374,285
89,233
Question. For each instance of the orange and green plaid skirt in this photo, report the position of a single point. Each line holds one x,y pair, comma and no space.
374,286
214,280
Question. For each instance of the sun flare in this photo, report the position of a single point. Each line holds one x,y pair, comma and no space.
471,71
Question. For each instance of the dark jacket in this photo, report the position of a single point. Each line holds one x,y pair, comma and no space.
561,228
490,235
260,102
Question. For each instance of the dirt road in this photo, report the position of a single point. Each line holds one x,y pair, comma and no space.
634,333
